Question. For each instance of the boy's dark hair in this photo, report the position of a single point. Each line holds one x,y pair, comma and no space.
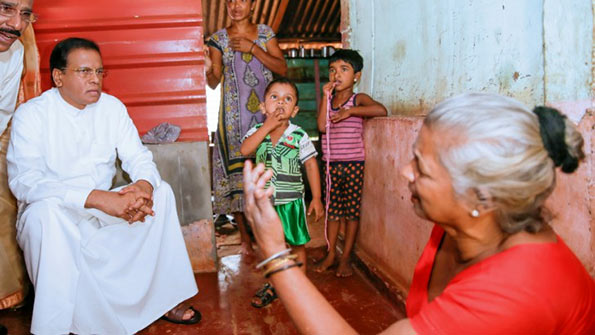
349,56
59,56
283,80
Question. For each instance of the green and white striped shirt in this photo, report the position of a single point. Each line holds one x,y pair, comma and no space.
285,158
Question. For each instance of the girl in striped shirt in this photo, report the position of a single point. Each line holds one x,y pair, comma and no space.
343,149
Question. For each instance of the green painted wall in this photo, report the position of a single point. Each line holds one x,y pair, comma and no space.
301,71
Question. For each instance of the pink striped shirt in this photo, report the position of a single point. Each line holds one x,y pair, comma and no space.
346,137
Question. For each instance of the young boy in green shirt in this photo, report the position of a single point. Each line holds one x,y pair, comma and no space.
283,147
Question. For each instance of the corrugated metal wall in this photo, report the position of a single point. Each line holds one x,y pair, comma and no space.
152,49
292,20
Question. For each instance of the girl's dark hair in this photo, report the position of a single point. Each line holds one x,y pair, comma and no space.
283,80
349,56
59,56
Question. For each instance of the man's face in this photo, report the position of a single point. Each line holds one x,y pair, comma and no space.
79,83
11,27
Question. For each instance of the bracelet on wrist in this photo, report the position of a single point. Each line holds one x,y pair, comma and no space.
277,255
275,263
252,47
286,267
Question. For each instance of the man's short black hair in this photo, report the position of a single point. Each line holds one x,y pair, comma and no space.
59,56
349,56
283,80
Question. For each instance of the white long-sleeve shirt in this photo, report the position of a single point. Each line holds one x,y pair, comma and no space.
11,69
57,150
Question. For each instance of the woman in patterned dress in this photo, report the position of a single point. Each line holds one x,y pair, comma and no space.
244,55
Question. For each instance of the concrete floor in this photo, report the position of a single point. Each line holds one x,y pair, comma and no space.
224,299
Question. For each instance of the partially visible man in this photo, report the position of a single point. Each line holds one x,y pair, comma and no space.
15,16
101,261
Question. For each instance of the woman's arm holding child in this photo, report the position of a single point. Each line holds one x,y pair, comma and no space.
366,107
314,179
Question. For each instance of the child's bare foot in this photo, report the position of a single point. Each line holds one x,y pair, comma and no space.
344,269
324,264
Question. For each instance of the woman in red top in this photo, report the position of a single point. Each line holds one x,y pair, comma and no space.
483,167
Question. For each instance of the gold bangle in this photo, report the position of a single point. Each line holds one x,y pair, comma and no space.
275,263
275,256
286,267
252,47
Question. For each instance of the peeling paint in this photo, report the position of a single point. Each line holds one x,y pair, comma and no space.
494,46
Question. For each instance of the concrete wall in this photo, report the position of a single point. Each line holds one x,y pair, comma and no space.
573,201
391,236
568,47
419,52
184,167
416,53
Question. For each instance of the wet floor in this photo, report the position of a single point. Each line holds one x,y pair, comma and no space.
224,300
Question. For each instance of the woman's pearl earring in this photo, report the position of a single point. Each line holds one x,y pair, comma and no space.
475,213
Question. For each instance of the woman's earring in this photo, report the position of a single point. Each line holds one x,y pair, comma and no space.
475,213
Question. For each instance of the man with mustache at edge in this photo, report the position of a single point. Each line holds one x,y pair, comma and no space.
15,17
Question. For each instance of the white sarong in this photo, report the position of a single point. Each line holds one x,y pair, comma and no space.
97,274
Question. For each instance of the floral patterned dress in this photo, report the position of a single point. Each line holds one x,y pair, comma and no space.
244,81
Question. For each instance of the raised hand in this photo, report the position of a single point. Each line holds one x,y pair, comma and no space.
259,210
273,120
327,89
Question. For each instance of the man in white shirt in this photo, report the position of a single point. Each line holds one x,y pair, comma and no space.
101,261
15,16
